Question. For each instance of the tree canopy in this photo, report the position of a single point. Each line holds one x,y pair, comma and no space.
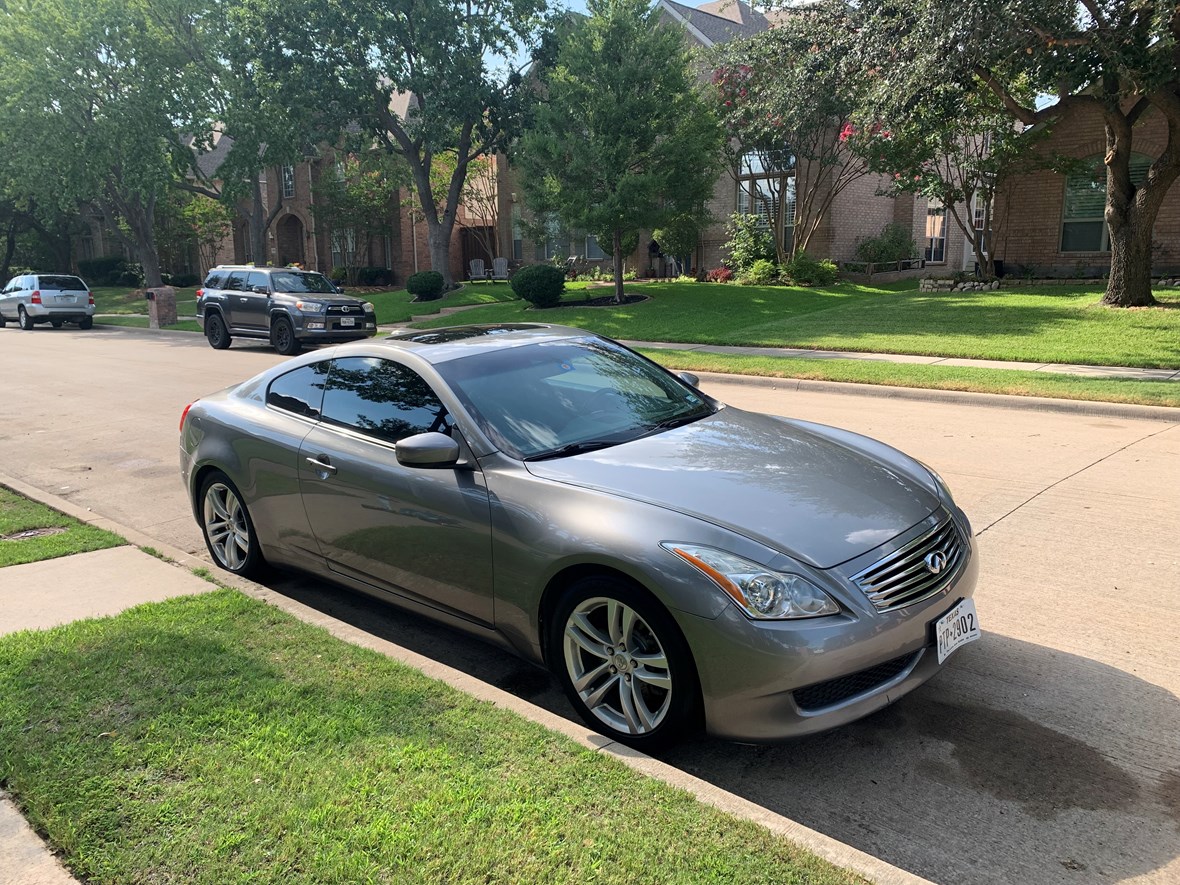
622,139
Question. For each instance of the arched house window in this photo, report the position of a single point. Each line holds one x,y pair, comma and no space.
1083,224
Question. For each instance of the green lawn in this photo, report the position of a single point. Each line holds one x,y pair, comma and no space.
19,514
1006,381
141,322
1040,324
120,299
213,739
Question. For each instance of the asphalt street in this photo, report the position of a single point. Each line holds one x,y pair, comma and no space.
1047,752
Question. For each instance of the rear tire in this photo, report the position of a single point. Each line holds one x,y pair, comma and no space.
3,322
216,333
23,319
282,337
624,664
227,527
86,323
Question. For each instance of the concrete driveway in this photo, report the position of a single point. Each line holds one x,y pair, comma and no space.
1048,752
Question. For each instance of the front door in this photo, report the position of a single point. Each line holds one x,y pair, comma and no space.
417,532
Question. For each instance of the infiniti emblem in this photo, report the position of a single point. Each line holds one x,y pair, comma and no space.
936,561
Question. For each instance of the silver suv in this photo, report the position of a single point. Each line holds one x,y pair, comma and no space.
56,298
285,305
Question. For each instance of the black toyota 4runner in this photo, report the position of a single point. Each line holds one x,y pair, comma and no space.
287,306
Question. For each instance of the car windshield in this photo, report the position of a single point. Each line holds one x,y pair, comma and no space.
302,283
59,283
559,398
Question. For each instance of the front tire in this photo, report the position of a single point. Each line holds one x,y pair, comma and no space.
23,319
216,333
282,337
227,527
624,664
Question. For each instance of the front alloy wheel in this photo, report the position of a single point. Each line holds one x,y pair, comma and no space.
225,522
282,337
624,665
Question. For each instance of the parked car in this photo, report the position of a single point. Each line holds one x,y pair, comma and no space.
673,560
31,299
287,306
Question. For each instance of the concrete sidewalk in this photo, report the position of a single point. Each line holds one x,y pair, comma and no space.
44,594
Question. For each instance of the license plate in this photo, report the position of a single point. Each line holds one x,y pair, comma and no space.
957,627
347,321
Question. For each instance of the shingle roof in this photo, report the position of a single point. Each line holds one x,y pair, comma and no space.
722,20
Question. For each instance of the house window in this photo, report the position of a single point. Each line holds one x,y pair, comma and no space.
288,181
1083,222
557,241
593,250
517,237
978,221
766,188
935,232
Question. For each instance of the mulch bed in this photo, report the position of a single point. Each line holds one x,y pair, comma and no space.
605,301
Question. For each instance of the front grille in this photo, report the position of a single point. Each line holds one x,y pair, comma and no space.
345,310
832,692
905,576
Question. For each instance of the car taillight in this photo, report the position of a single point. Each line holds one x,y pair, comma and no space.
90,299
200,294
184,415
36,299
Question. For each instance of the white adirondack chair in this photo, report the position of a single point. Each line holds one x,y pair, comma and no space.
500,270
477,271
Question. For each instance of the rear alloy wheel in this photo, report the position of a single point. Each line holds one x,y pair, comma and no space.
226,525
282,337
624,664
86,323
3,322
215,332
55,323
23,319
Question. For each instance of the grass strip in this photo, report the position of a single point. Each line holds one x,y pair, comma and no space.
214,739
1008,381
120,299
399,306
141,322
19,514
1043,324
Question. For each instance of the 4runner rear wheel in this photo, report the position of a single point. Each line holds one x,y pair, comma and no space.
215,332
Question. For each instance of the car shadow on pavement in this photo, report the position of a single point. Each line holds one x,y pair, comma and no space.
1018,763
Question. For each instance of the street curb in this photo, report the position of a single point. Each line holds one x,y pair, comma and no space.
831,850
957,397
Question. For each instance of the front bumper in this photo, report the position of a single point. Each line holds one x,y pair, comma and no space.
772,680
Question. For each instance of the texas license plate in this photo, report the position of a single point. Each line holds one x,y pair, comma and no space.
956,628
347,321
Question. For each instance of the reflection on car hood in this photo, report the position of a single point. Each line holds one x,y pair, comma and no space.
792,486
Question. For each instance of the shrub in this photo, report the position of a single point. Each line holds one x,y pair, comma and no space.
761,273
338,274
102,271
131,275
894,243
719,275
373,276
804,270
749,241
185,280
426,285
539,284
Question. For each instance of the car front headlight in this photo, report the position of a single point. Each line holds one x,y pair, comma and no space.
762,593
309,306
369,308
939,482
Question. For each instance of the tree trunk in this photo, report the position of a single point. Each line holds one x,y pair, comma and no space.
438,236
9,248
617,239
258,225
1130,264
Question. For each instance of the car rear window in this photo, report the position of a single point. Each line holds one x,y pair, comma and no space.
59,283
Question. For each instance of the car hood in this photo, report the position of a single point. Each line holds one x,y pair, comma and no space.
815,493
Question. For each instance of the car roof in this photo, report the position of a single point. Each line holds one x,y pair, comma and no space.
452,342
266,268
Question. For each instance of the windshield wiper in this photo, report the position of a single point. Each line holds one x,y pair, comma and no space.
670,423
578,448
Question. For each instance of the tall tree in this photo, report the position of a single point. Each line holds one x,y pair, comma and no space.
786,96
419,77
622,139
354,198
1119,57
92,91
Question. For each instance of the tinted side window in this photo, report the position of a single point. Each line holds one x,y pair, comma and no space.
236,281
300,391
215,280
257,278
382,399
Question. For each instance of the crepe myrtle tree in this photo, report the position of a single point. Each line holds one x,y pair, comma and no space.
420,78
1120,58
785,96
622,138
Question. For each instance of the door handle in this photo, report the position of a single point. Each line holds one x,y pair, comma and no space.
243,299
322,466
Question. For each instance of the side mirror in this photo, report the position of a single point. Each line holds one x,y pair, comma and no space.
259,290
689,378
428,450
339,290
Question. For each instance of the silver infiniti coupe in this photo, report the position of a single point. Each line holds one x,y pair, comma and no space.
674,561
